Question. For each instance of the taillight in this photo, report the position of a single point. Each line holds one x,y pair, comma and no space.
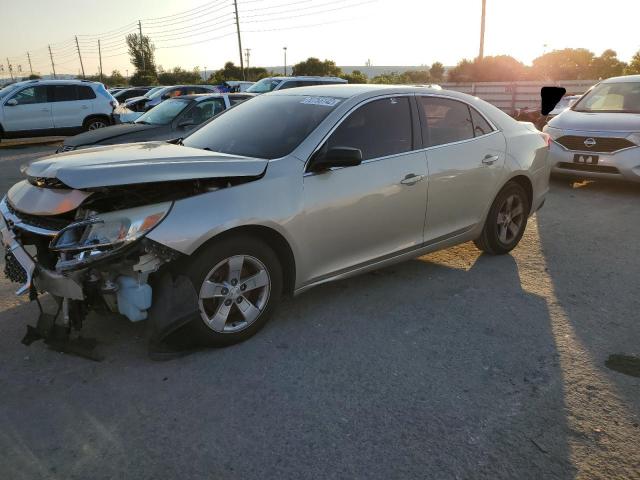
113,103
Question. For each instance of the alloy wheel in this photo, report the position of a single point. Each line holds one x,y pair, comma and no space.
511,217
95,125
234,294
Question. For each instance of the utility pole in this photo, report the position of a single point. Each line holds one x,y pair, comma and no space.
10,68
53,67
141,45
80,56
285,60
247,52
235,4
484,7
100,57
30,67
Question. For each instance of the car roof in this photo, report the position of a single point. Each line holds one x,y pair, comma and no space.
203,96
623,79
308,77
57,82
352,90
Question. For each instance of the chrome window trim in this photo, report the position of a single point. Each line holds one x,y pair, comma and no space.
418,150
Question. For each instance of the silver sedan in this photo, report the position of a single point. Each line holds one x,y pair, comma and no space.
274,196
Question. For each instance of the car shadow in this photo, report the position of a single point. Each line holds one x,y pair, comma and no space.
444,364
594,290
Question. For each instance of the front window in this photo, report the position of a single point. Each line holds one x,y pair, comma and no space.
266,127
611,97
8,89
378,129
164,113
203,111
263,86
31,95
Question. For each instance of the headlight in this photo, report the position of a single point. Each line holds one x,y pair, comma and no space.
107,231
635,138
554,133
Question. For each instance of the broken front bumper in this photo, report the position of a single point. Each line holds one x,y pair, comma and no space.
17,257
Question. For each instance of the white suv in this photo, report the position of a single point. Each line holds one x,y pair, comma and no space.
54,107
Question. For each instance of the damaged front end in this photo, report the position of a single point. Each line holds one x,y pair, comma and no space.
87,247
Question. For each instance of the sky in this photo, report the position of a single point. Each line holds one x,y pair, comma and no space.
201,33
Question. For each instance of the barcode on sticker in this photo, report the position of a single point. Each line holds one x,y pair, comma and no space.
326,101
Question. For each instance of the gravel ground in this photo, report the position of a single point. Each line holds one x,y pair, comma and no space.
453,365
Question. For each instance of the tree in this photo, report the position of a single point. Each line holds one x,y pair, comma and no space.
355,77
229,72
565,64
415,77
33,76
436,72
116,78
387,78
607,65
313,66
633,68
179,76
501,68
141,51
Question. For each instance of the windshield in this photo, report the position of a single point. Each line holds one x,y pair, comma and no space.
164,113
269,126
611,97
152,91
263,86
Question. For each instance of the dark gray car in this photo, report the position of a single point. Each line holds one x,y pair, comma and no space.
171,119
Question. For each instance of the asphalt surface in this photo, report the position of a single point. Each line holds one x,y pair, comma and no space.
455,365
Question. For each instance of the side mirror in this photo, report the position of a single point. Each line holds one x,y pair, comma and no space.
11,103
165,95
336,157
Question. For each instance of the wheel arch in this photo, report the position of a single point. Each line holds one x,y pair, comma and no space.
271,237
526,184
102,116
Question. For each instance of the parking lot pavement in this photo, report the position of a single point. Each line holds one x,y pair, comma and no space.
454,365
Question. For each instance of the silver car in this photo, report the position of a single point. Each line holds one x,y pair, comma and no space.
599,135
274,196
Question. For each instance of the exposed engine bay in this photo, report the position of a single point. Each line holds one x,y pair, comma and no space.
87,248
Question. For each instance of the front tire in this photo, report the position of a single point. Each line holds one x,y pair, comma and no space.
506,221
239,284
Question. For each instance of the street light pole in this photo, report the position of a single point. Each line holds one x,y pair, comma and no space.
484,7
285,60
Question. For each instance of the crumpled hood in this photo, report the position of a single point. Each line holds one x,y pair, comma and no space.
142,163
109,133
596,122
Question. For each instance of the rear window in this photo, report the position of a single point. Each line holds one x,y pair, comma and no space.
85,93
266,127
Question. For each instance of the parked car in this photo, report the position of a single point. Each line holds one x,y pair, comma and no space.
54,107
171,119
236,86
272,84
281,193
127,93
142,104
599,135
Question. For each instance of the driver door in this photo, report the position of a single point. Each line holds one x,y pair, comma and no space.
358,215
32,111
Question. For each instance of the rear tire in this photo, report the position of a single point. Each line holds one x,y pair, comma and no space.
238,280
95,123
506,221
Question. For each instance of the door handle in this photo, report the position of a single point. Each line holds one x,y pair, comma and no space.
411,179
490,159
44,109
84,107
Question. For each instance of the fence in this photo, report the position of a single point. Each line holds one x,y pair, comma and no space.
509,96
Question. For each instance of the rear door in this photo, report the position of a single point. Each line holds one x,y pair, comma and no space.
465,156
32,112
71,105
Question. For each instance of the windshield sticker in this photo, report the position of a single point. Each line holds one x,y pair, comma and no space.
326,101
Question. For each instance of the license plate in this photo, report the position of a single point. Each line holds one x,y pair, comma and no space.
585,159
